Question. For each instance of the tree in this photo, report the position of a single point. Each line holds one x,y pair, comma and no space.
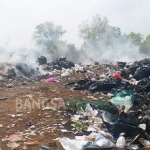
95,30
145,46
98,33
48,35
135,38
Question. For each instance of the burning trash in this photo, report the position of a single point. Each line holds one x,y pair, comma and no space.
97,106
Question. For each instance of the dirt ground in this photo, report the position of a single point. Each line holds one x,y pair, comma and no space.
48,123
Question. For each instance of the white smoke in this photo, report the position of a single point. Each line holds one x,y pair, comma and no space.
12,54
120,52
26,58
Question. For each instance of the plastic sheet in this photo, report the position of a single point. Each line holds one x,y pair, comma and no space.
116,125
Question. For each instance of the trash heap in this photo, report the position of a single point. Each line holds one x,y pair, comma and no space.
58,64
122,120
117,122
33,69
24,70
112,110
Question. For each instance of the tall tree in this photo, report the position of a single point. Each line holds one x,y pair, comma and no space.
48,35
98,33
135,38
145,46
95,30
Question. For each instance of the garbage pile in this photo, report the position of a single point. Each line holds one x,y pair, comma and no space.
118,123
24,69
123,119
131,76
32,69
100,106
94,85
58,64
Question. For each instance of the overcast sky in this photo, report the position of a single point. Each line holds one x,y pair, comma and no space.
18,18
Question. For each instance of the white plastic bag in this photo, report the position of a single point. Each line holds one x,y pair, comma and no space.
100,141
69,144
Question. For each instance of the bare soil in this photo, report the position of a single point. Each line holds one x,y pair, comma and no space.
34,90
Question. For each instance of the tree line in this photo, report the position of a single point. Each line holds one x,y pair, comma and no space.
97,35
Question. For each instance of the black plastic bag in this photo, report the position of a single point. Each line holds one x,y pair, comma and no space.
81,82
61,59
132,69
117,124
142,72
121,64
70,84
143,82
76,86
94,87
88,84
107,86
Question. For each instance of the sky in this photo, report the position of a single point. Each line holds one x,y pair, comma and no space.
18,18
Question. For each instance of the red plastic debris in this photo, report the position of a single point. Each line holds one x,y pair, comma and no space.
117,75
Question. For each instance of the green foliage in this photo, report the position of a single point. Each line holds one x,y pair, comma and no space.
135,38
98,33
95,30
79,126
48,35
98,36
145,46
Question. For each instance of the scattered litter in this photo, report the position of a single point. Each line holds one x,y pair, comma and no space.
51,80
144,142
4,98
45,147
31,143
15,138
13,145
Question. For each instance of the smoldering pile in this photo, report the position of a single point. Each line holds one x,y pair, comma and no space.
39,69
132,77
137,72
23,69
58,64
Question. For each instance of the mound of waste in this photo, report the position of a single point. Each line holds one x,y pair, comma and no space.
23,69
58,64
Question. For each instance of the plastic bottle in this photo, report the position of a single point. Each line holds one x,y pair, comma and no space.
121,141
89,110
45,147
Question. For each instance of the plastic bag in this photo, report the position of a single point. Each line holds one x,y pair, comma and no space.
65,74
69,144
100,141
117,124
142,72
125,98
89,110
50,80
